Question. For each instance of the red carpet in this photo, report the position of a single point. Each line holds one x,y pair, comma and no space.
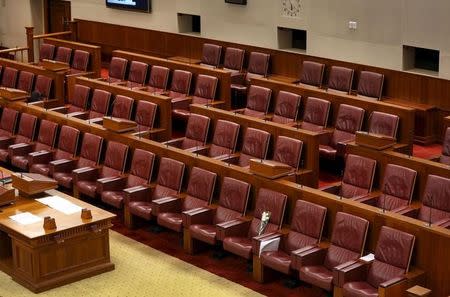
427,151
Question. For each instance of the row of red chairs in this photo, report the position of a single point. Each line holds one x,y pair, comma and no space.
25,81
78,62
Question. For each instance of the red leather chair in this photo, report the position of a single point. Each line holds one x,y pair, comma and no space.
288,151
99,104
211,55
258,100
232,204
180,84
316,265
205,92
199,194
370,84
86,180
340,79
117,69
255,145
137,74
91,148
286,108
388,269
312,73
63,54
159,78
238,235
397,188
307,224
25,81
39,162
27,129
383,124
78,102
445,157
114,191
145,117
224,140
233,60
18,153
168,184
196,133
46,51
349,120
358,178
315,116
80,62
8,122
43,85
9,77
122,107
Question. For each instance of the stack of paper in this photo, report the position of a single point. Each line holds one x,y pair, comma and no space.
60,204
25,218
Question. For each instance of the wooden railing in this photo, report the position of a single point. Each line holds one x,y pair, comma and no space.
13,51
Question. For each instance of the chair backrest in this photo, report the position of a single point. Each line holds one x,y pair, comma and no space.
115,158
25,82
233,200
398,187
67,143
159,77
258,98
288,151
255,145
170,174
91,148
392,256
43,85
79,98
225,138
316,111
100,103
258,64
47,136
141,168
384,124
340,79
435,199
349,118
307,224
181,82
122,107
206,86
8,121
211,54
46,51
271,201
343,247
445,158
286,107
27,128
138,72
117,68
63,54
196,130
234,59
145,114
358,176
370,84
80,60
312,73
200,188
9,77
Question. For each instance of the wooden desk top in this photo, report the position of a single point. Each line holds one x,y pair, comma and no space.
185,60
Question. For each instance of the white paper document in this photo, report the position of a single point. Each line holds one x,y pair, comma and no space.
25,218
368,258
60,204
269,245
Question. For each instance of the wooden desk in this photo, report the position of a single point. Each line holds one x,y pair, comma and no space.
41,259
54,65
185,60
418,291
13,94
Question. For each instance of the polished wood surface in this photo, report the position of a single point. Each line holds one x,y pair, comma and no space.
31,183
185,60
13,94
418,291
118,125
54,65
374,141
269,169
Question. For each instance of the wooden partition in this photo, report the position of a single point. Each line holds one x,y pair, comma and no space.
224,85
95,53
57,77
164,112
431,247
310,154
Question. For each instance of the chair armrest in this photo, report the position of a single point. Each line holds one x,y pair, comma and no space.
61,165
370,199
444,223
174,142
42,157
181,103
350,272
232,158
310,257
238,78
98,121
341,147
111,184
202,215
325,136
239,110
6,141
84,173
166,204
139,193
86,73
257,240
238,227
201,150
295,255
334,188
19,149
79,114
434,158
392,282
408,211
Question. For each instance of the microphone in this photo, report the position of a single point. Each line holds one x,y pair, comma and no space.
340,190
370,118
229,158
431,204
139,121
300,181
384,204
112,106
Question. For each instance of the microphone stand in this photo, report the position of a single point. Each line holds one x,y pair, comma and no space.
340,190
429,215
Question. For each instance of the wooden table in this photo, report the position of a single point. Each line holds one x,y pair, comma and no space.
185,60
41,259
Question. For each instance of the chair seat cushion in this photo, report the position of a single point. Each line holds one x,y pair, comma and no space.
64,179
359,289
87,187
253,113
327,152
241,246
170,220
318,276
205,233
277,260
43,169
114,198
20,162
141,209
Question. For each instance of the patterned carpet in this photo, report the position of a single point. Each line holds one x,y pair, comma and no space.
140,271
